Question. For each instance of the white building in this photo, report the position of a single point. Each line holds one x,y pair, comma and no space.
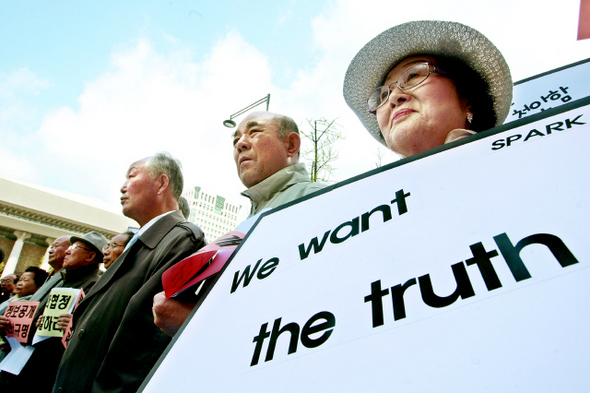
214,214
31,217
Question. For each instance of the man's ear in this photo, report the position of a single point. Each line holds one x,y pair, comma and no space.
293,144
163,182
91,256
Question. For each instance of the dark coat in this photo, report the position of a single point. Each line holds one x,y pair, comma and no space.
115,343
39,373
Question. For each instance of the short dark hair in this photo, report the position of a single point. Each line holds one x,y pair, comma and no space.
40,275
473,88
164,163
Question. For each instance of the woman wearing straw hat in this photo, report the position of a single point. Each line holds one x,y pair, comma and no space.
421,84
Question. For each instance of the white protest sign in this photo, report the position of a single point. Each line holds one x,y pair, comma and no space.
460,271
550,90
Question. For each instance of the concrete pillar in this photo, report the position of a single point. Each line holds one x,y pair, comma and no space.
15,253
45,264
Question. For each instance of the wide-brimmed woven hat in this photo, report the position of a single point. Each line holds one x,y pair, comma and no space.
428,37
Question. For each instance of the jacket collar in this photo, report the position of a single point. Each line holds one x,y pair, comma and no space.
155,233
72,275
276,182
150,239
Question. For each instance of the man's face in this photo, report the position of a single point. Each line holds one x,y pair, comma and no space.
26,285
138,192
7,283
78,255
57,252
258,150
114,249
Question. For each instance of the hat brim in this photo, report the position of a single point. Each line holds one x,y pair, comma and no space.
74,239
436,38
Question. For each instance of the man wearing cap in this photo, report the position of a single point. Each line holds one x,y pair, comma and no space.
115,343
266,153
80,270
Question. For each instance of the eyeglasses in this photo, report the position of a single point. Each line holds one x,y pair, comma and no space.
112,246
408,79
75,247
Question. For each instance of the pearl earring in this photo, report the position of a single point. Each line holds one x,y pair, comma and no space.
469,117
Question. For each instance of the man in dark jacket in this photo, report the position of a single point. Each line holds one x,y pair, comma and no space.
80,271
115,342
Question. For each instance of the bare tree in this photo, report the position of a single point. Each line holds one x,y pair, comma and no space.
380,154
322,154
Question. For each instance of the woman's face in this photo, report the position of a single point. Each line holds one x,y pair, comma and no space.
26,285
420,118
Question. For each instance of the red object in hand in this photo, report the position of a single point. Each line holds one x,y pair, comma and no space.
206,262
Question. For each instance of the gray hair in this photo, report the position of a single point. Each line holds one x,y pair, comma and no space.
184,207
285,125
164,163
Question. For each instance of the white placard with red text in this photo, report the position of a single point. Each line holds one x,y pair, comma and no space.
471,274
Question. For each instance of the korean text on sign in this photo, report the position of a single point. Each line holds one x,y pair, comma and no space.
60,301
21,316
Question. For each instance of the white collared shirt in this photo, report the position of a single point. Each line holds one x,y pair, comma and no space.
144,228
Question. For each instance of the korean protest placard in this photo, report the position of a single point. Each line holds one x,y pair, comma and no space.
21,316
60,301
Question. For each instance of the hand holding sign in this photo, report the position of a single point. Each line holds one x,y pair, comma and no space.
61,301
170,314
64,321
4,325
17,320
189,273
186,279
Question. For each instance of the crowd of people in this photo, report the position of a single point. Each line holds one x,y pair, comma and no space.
414,87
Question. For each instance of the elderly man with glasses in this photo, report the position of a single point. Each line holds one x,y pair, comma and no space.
115,248
79,270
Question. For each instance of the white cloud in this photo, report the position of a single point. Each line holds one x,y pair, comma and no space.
146,102
149,100
16,166
18,119
22,80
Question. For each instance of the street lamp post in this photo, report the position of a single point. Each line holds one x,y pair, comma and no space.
230,123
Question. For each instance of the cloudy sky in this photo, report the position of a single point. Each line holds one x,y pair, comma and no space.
88,87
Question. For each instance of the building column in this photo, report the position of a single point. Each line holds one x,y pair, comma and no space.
15,253
45,264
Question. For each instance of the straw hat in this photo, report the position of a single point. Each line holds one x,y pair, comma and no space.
429,37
